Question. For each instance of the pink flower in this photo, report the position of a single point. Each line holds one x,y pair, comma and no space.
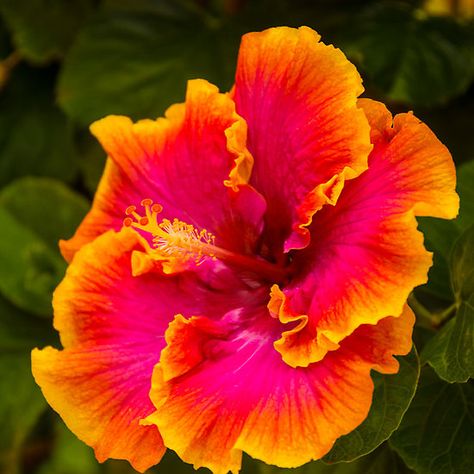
262,271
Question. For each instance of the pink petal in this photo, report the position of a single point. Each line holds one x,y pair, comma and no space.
220,390
366,254
112,327
306,133
194,163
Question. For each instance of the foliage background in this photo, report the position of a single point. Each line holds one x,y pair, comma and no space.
65,63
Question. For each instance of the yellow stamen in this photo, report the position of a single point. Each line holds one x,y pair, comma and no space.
170,238
177,239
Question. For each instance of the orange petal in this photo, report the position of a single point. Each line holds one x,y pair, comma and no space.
194,163
236,394
112,324
366,253
184,339
99,383
423,170
301,344
94,392
377,344
306,133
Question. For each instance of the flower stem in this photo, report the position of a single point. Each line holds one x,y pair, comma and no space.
427,318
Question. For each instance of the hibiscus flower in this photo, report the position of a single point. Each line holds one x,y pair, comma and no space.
245,265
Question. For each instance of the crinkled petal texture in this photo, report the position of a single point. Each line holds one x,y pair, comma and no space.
306,133
112,334
194,162
212,359
112,327
366,253
234,393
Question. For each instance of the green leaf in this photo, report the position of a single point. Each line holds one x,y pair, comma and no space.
381,461
36,138
392,397
92,161
44,29
440,235
136,62
21,402
30,269
436,434
451,351
421,336
465,175
462,266
409,56
50,208
70,455
20,332
34,214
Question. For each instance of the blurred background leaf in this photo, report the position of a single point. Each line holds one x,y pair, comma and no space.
30,269
36,138
127,59
70,456
44,29
409,56
21,404
21,401
34,214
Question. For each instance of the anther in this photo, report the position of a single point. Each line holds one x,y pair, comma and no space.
139,221
130,210
178,240
157,208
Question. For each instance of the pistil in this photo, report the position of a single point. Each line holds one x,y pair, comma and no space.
177,239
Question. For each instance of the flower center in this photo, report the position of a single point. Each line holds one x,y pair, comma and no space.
179,240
